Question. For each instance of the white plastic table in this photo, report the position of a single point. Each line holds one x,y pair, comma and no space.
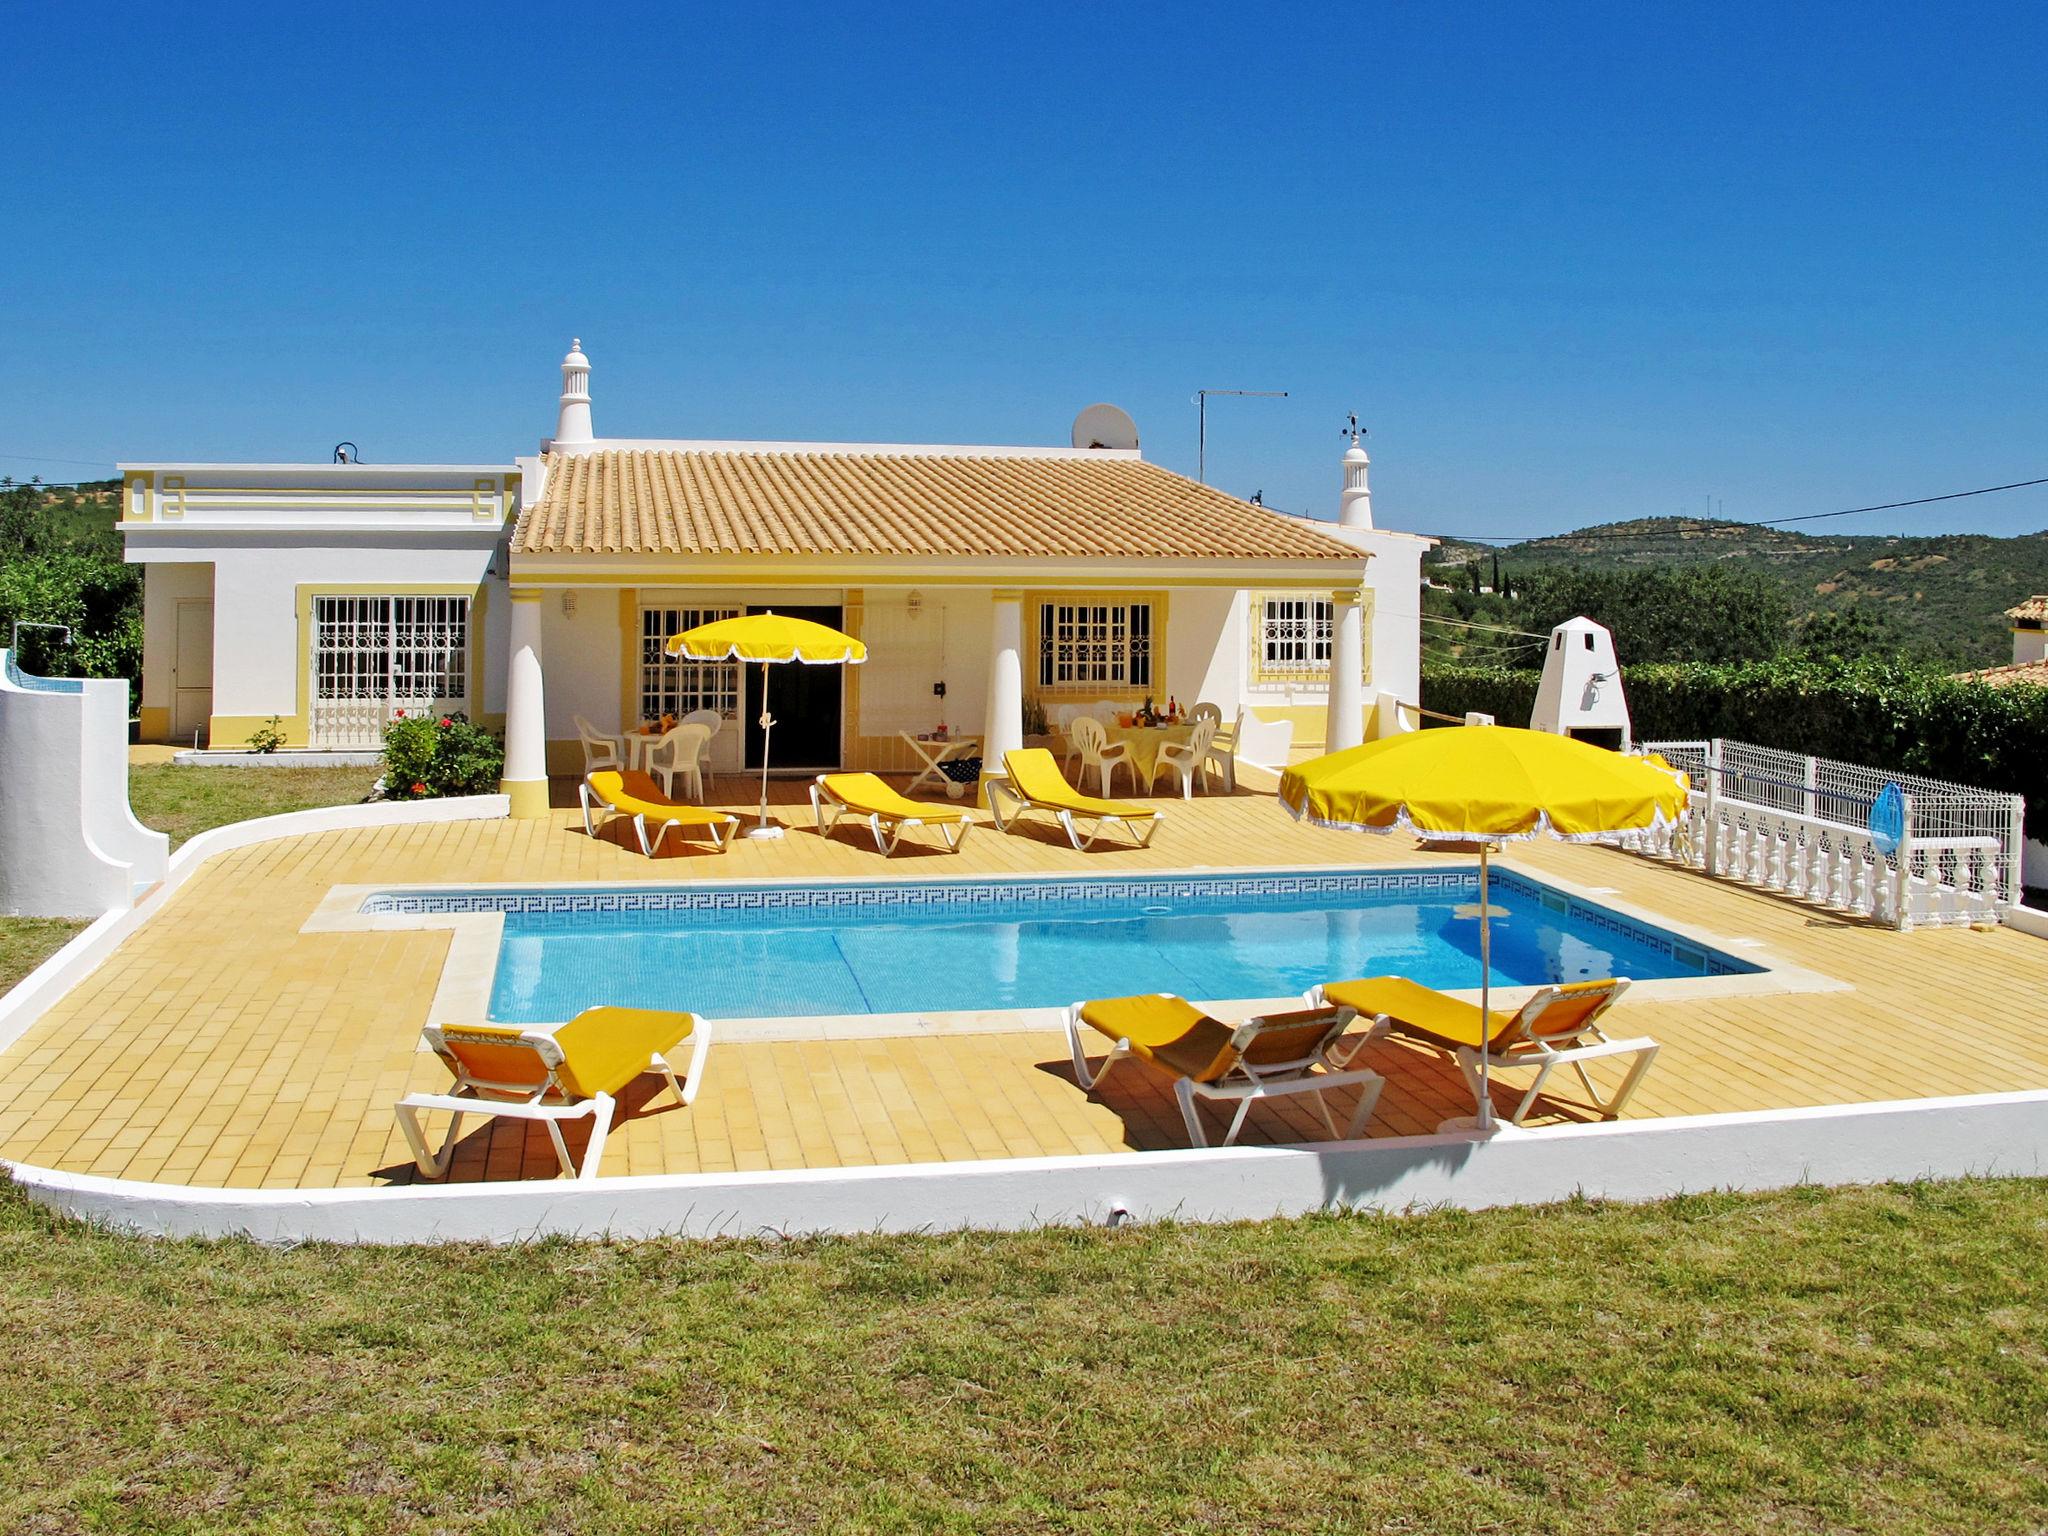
933,753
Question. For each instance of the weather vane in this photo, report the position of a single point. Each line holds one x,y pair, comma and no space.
1354,431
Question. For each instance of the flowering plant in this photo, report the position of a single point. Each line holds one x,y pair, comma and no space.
427,757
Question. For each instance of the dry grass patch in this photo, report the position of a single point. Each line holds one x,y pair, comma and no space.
1812,1360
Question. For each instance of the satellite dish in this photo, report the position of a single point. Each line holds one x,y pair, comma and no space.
1105,426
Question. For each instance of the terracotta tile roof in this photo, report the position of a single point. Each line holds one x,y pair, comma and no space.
717,502
2034,608
2019,672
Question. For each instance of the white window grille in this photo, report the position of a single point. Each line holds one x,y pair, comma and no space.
374,657
1294,635
672,687
1092,645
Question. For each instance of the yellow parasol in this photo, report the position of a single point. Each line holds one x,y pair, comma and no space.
768,638
1483,783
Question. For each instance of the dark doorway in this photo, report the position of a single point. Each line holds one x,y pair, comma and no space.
804,701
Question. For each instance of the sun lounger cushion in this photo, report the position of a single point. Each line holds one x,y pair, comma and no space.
636,794
1168,1030
1419,1009
602,1049
1035,774
866,793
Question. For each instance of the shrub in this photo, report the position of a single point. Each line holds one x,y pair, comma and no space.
1883,713
268,736
429,756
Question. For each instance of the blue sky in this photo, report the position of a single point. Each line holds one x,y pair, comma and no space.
1569,264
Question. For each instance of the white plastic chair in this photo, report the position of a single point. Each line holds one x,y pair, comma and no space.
600,750
1223,745
680,751
1063,720
710,719
1186,761
1099,753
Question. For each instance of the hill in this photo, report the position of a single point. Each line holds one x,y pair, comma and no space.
1944,595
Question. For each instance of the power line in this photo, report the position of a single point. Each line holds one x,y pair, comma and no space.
1693,525
37,458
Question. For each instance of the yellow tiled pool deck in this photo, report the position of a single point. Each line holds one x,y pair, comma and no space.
222,1046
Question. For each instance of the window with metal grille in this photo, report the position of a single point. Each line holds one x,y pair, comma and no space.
672,687
376,656
1294,634
1091,645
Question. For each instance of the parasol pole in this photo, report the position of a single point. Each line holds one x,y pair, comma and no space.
767,724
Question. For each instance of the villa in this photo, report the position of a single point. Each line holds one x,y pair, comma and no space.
498,1014
332,596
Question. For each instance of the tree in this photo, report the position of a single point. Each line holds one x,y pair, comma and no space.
1847,634
1665,613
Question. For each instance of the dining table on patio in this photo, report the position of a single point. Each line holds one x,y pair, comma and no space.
1144,742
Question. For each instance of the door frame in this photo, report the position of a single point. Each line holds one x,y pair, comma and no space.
182,723
750,674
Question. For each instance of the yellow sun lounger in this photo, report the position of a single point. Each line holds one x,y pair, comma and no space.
635,794
1035,783
572,1072
835,795
1261,1058
1558,1025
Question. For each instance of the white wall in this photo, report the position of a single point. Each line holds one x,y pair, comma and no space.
945,640
1204,659
256,663
69,846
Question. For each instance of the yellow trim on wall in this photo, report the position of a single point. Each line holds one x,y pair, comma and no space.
478,595
230,733
629,657
853,615
1049,694
135,501
174,497
153,723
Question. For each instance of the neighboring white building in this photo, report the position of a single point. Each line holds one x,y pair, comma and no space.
333,595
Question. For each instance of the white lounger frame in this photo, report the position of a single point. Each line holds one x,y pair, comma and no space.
1001,787
721,839
954,832
1244,1082
526,1103
1546,1053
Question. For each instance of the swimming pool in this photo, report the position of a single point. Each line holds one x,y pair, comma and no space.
772,950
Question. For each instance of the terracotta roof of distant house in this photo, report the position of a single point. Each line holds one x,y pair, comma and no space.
796,501
2034,609
2019,672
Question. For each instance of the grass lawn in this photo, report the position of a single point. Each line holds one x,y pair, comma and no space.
1869,1360
184,802
187,801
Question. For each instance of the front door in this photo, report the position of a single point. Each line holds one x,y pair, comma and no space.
804,701
192,671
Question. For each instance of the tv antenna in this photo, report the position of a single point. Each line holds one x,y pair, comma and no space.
1202,408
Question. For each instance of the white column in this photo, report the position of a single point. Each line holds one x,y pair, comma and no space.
1004,729
1345,726
526,728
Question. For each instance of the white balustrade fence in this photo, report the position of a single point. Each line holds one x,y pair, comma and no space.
1801,825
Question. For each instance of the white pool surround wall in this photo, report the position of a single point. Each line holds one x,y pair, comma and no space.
1632,1160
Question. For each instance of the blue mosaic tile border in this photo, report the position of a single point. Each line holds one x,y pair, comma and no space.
1025,896
1098,890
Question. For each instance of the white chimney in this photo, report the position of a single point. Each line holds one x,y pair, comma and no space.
572,426
1355,509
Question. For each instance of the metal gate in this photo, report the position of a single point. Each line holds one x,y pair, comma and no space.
376,656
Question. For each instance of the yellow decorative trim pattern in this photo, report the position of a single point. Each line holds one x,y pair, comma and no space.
135,506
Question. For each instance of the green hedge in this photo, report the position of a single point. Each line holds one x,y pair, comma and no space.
1877,712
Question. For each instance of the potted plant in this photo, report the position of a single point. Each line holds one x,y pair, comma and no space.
1037,730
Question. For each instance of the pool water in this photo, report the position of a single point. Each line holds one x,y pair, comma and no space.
788,951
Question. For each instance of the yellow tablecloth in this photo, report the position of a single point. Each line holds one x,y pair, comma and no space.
1145,742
